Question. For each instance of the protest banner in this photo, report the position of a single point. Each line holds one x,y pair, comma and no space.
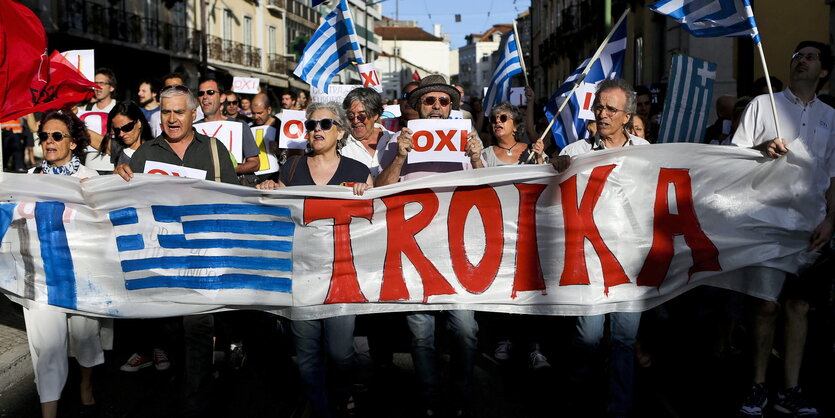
229,133
265,139
620,230
292,135
246,85
439,140
336,93
156,167
84,60
370,76
517,96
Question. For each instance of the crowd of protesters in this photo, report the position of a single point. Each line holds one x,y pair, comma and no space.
348,144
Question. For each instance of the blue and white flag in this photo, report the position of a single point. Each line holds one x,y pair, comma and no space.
509,65
689,95
333,47
708,18
571,124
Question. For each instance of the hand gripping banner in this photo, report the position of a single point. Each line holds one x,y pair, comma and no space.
620,230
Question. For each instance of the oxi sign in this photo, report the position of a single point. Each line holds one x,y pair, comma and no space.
292,130
439,140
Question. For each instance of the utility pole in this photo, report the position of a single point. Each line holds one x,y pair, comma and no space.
204,40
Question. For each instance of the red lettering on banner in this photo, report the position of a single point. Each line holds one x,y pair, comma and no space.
528,274
344,287
666,225
476,279
299,129
445,139
422,134
579,226
401,240
370,79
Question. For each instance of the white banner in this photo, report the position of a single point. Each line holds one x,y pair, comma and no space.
439,140
292,135
246,85
229,133
621,230
336,93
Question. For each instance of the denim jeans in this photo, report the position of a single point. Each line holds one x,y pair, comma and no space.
624,330
334,336
463,326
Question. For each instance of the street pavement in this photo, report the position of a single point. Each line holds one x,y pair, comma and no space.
685,379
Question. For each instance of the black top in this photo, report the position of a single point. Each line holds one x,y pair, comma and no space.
349,170
198,155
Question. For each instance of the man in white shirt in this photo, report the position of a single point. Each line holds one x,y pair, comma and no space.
95,116
363,108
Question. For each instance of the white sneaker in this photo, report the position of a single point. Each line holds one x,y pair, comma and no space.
136,363
538,361
503,350
161,361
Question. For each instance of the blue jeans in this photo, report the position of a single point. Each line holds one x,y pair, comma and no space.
463,326
624,330
335,336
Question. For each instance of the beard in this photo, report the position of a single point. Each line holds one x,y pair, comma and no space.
143,103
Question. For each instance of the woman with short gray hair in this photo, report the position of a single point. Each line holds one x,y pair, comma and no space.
363,107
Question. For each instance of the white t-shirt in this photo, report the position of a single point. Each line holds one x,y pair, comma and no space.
96,120
356,150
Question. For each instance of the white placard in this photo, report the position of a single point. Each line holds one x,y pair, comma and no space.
439,140
391,111
456,114
230,133
265,139
585,97
84,60
292,130
517,96
370,76
336,93
156,167
246,85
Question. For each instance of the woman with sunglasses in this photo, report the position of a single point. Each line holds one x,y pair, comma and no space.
64,138
127,129
505,121
363,108
322,165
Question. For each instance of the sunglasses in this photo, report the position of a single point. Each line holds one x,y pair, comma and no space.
178,87
209,92
325,124
232,102
56,136
498,118
125,128
430,101
360,117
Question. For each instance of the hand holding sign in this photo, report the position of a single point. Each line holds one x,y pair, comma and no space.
441,141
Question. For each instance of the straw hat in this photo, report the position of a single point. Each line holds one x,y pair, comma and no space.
432,83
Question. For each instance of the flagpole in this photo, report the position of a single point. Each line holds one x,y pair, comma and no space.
521,53
770,91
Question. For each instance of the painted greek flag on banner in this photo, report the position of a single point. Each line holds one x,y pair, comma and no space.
708,18
689,95
571,124
509,65
189,244
330,49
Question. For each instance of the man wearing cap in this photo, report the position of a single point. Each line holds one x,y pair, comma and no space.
434,98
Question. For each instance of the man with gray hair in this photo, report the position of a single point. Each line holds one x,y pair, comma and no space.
614,105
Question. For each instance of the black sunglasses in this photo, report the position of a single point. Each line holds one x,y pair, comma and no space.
430,101
56,136
232,102
496,118
125,128
209,92
325,124
360,117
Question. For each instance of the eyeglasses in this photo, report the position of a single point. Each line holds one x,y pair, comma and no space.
125,128
325,124
430,101
178,87
102,83
56,136
209,92
809,57
361,117
598,108
498,118
232,102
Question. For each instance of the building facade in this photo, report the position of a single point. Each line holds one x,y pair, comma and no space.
475,63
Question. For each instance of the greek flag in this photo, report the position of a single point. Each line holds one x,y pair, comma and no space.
689,95
508,66
571,123
330,49
189,245
707,18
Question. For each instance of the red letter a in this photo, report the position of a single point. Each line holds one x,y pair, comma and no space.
579,225
666,224
344,286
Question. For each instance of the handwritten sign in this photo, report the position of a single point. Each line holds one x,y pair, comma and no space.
156,167
517,96
370,76
265,139
230,133
246,85
292,130
336,93
84,60
439,140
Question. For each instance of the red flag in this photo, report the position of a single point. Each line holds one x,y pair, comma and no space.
416,76
29,80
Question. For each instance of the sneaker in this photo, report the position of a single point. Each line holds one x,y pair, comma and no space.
538,361
135,363
237,357
792,402
755,402
503,350
161,361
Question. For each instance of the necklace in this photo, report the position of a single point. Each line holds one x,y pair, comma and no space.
508,151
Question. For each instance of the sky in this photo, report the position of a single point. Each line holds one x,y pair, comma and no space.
476,15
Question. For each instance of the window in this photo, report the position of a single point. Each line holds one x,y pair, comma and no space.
227,24
271,39
247,30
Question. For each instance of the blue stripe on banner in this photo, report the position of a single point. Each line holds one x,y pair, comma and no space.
180,241
130,242
6,215
55,251
233,226
125,216
203,262
175,213
224,281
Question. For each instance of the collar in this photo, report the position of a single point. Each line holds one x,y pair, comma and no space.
597,143
160,140
796,100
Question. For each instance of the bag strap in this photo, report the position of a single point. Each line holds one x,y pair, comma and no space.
293,169
215,159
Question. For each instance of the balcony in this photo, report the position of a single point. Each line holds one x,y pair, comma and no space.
234,52
281,64
276,5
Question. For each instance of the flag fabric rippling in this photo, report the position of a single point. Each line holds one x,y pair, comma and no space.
689,95
709,18
508,66
333,47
